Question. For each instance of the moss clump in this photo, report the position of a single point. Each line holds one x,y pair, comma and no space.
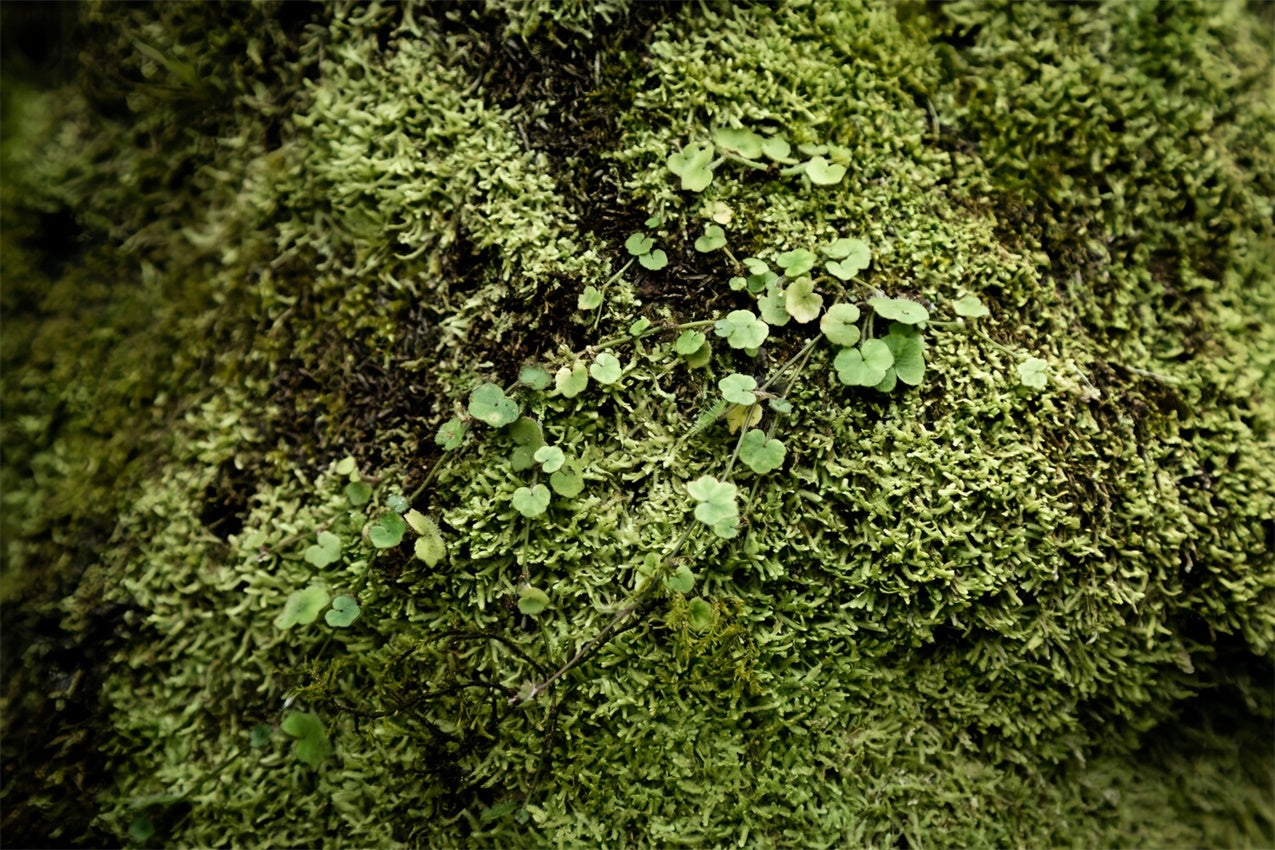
977,612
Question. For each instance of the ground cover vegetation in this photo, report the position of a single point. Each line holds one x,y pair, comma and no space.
815,424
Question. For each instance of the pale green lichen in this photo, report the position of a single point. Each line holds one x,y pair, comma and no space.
965,614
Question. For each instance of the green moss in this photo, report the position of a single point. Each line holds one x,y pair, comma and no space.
969,614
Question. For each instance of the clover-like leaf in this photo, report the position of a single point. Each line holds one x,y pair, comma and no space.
654,221
899,310
567,481
345,466
451,435
850,256
718,211
714,237
864,366
550,458
716,506
358,492
909,353
801,301
742,329
397,502
838,324
531,502
606,368
640,326
699,614
970,307
326,551
778,149
681,581
738,389
590,298
572,380
689,342
312,746
1032,373
701,357
780,405
302,606
746,143
823,173
760,454
797,262
488,403
654,261
532,600
527,437
386,531
430,546
536,377
639,244
344,610
755,266
889,382
693,164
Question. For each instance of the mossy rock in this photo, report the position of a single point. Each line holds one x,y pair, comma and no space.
990,562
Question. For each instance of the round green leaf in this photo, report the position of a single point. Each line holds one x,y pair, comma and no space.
326,551
864,366
738,389
801,301
567,481
572,380
536,377
970,307
312,746
689,342
302,606
358,492
654,261
345,610
430,546
681,581
742,329
532,601
823,173
755,266
1032,373
838,324
716,506
850,256
550,458
531,502
771,306
778,149
345,466
488,403
386,531
606,368
639,244
760,454
899,310
909,353
692,164
699,614
796,263
451,434
746,143
590,298
714,237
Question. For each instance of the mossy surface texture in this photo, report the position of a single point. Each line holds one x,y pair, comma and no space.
298,551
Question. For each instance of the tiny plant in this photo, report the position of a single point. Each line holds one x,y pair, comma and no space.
742,329
344,611
302,607
312,747
488,403
327,551
716,505
531,502
1032,373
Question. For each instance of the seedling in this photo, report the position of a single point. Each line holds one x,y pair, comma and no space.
716,506
572,380
527,438
1032,373
567,481
746,143
865,366
430,546
532,601
681,581
639,244
302,607
488,403
550,458
451,435
849,257
778,149
795,263
742,329
531,502
344,611
838,324
899,310
606,368
358,492
970,307
699,614
312,746
760,454
694,164
326,551
738,389
386,531
535,377
741,416
714,237
590,298
801,301
906,345
772,305
823,173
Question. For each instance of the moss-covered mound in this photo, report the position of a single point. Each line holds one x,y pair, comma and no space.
817,425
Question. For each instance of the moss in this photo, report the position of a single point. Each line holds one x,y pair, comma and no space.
966,614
